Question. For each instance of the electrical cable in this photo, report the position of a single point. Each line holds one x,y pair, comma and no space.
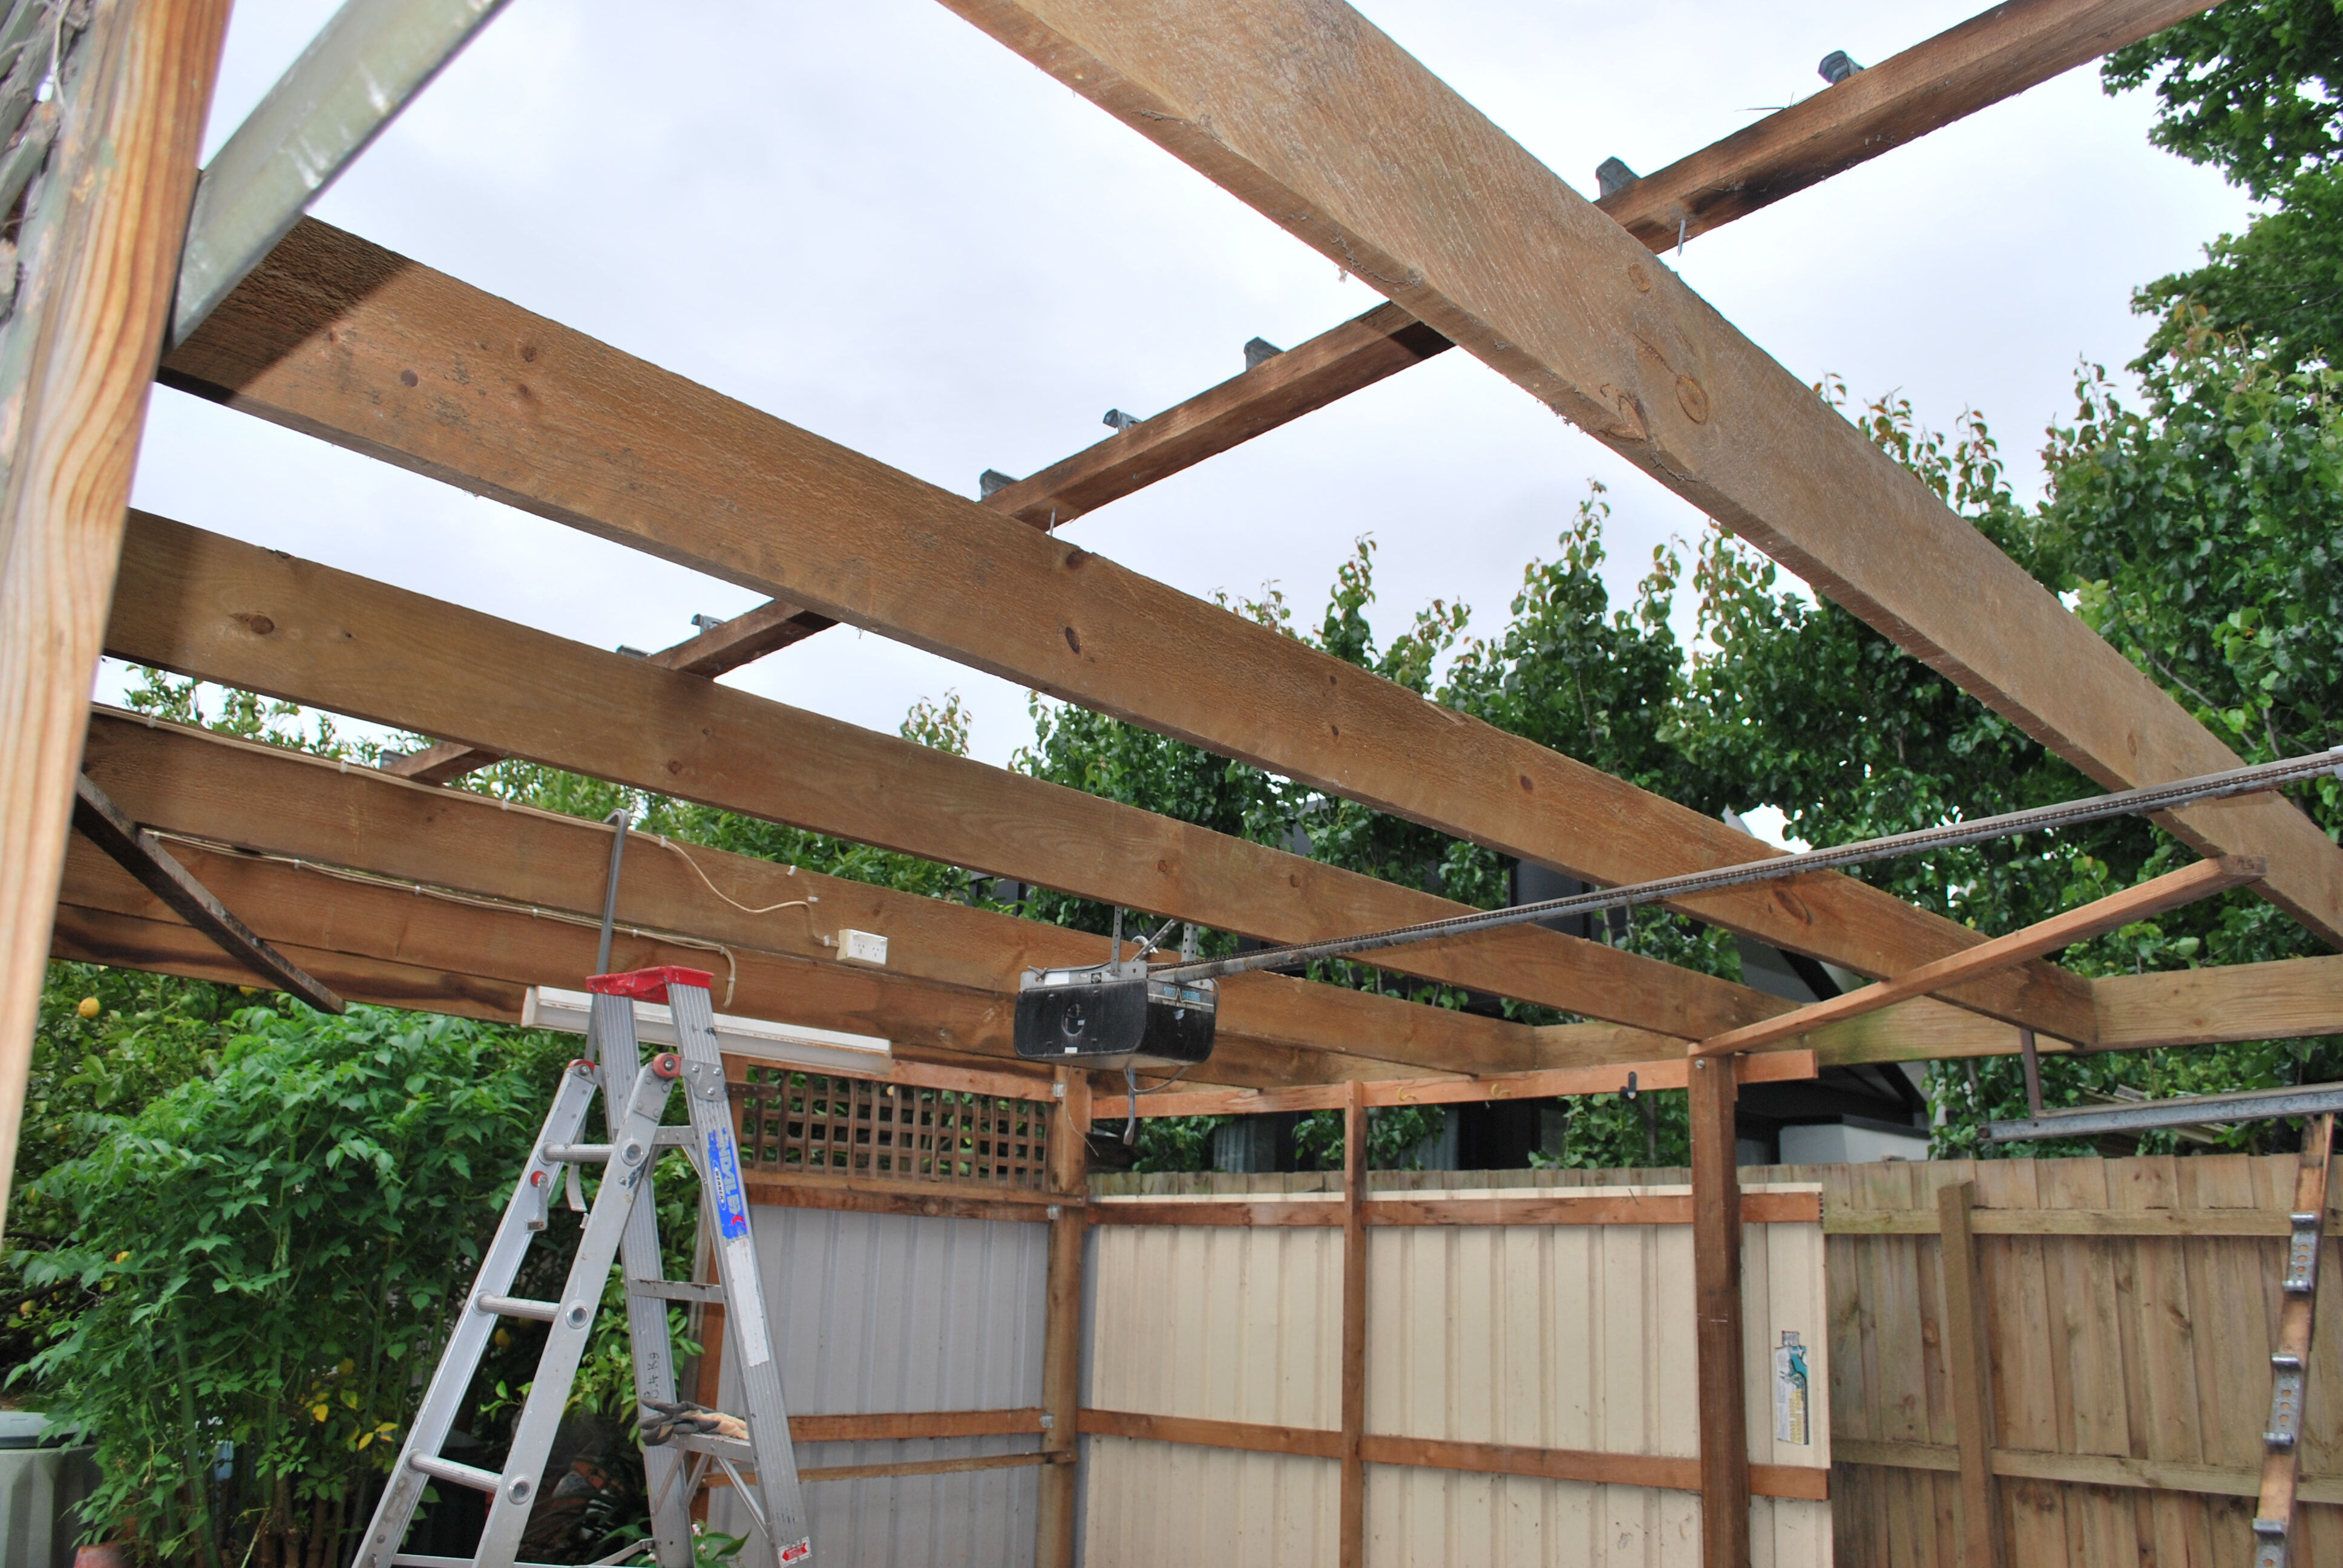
1951,834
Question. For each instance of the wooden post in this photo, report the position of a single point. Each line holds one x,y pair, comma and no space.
1969,1366
1068,1162
2281,1466
101,256
1716,1292
1353,1503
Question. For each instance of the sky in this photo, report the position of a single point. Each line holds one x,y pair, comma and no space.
874,222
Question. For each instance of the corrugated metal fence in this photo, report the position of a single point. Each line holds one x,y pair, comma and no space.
885,1313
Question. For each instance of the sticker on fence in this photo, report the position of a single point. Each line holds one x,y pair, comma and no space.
1790,1391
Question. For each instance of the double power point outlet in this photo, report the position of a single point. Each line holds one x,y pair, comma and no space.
862,948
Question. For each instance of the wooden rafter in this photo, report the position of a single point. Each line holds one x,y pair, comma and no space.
207,605
1989,57
140,853
265,799
2186,886
1373,160
346,933
349,342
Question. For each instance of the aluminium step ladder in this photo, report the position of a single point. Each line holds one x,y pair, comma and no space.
622,1222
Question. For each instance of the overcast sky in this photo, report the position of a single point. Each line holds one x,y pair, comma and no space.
874,222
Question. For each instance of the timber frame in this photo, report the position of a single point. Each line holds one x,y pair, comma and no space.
389,885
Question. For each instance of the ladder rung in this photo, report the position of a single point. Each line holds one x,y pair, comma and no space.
715,1447
674,1138
447,1470
515,1307
578,1154
676,1290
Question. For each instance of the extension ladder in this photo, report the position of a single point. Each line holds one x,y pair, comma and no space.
623,1222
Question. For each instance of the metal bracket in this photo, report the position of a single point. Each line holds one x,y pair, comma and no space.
2302,1255
2270,1543
705,1079
2287,1382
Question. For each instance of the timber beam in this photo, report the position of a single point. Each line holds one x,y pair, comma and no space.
253,619
1989,57
1306,111
2204,879
354,344
426,949
266,801
140,853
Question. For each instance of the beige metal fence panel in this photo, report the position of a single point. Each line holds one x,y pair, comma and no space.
1217,1324
1576,1337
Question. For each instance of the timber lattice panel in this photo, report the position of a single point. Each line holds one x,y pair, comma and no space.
813,1123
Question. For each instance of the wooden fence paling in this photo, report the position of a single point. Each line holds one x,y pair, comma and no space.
1969,1373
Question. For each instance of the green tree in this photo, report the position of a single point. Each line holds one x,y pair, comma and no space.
2253,88
266,1256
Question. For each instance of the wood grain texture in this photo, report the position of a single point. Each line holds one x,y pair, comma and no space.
1352,1503
101,257
2172,1222
890,1425
97,818
304,911
1993,55
1807,1483
1061,1317
2284,998
2298,1316
356,345
1969,1364
922,1199
1716,1307
267,798
201,604
2186,886
1250,1437
82,934
927,1467
1999,54
1307,113
1670,1072
1439,1453
2081,1470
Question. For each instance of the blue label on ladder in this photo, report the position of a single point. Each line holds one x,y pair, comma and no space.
724,1179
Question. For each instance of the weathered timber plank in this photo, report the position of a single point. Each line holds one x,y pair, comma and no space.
358,346
2079,1469
304,911
267,798
1306,112
104,936
2001,52
207,605
2174,888
100,238
890,1425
